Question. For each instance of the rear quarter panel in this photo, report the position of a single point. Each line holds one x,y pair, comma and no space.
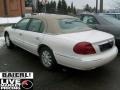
61,46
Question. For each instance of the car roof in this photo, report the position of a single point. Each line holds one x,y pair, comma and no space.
51,21
111,13
97,14
93,14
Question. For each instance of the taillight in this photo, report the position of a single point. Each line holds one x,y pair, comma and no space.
84,48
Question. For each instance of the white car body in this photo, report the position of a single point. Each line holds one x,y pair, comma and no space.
62,45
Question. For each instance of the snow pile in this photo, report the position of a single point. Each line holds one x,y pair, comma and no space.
2,42
9,20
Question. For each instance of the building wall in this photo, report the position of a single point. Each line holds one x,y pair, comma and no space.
23,6
13,7
1,8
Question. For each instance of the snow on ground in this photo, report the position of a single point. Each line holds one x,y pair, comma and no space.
2,42
9,20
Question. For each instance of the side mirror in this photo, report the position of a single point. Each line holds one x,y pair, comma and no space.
14,26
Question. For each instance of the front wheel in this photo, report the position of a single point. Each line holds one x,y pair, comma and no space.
8,42
47,58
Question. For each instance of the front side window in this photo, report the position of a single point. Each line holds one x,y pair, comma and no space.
36,26
22,24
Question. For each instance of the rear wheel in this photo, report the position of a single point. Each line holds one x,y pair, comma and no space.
8,42
47,58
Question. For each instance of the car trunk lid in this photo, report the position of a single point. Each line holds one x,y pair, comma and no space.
101,41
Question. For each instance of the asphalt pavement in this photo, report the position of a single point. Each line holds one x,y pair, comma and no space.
18,60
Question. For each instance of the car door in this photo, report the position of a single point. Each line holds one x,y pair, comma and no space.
34,35
91,21
18,31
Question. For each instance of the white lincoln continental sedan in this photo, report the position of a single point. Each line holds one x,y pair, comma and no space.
64,40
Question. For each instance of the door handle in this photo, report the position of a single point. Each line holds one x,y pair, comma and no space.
37,38
20,34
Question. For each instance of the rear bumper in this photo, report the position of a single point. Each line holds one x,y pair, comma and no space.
88,62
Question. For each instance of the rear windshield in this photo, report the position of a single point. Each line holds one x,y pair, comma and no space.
72,25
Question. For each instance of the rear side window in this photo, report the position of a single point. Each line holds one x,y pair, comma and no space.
22,24
71,23
36,25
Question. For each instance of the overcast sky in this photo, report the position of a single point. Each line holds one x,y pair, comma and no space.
108,4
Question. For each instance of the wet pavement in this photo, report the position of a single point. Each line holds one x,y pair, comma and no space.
103,78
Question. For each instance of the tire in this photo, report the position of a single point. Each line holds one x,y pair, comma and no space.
47,58
8,42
